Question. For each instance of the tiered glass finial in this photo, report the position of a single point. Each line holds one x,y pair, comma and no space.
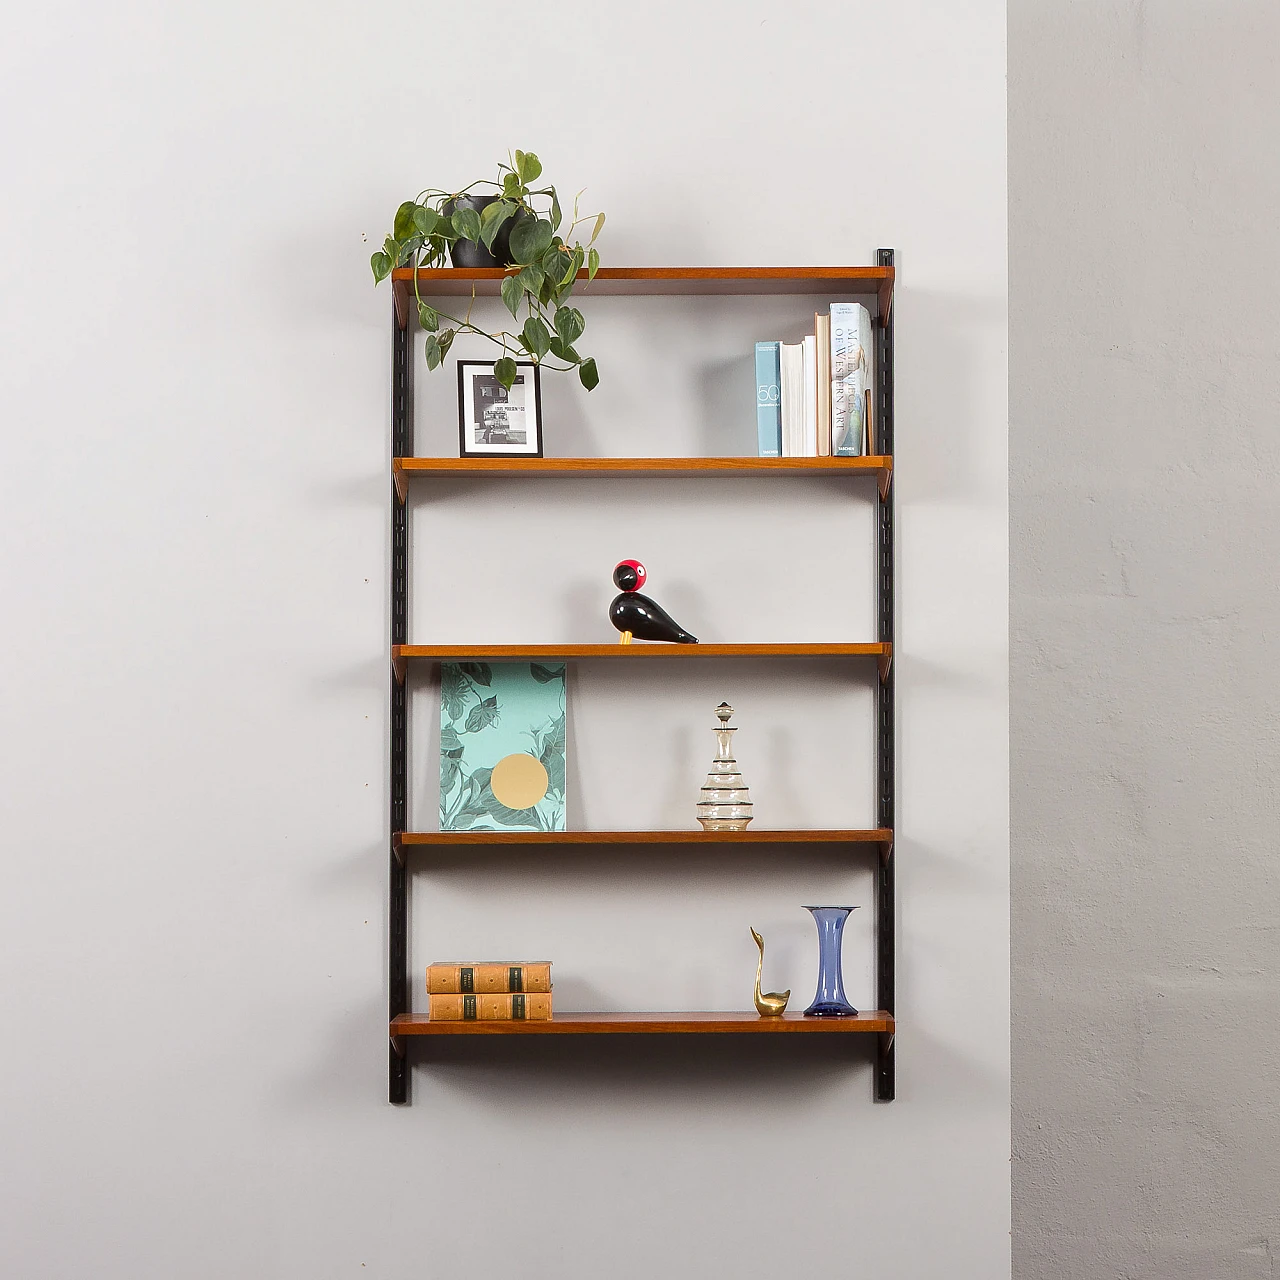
725,803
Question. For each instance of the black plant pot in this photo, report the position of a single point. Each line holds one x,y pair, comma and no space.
471,253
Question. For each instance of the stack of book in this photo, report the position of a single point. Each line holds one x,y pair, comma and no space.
489,991
814,397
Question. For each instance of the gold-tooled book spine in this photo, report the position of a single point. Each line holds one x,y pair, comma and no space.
494,1007
488,978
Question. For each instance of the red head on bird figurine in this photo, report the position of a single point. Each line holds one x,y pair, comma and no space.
630,575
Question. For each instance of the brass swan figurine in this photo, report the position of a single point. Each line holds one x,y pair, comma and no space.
771,1004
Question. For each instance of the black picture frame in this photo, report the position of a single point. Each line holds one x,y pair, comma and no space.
482,429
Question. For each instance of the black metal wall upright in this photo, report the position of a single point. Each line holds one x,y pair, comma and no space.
886,1076
398,915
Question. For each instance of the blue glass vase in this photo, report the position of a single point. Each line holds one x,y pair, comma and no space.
830,1002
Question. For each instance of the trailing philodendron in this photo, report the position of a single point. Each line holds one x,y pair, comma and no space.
520,227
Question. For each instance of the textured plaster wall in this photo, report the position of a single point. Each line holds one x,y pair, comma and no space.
194,492
1145,527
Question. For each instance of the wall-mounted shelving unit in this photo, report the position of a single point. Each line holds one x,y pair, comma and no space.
407,470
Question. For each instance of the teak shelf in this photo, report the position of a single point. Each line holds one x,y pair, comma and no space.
402,840
405,469
735,1023
837,282
834,282
402,654
753,835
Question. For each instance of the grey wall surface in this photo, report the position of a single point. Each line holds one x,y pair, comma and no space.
1144,147
194,387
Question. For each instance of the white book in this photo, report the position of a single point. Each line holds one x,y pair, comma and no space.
850,377
791,367
810,441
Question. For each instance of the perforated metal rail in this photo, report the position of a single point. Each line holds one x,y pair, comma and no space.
398,903
886,768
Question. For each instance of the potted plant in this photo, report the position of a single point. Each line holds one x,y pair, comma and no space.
504,223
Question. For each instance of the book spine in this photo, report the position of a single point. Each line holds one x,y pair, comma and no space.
822,331
768,400
868,378
791,360
491,1007
850,376
480,979
810,397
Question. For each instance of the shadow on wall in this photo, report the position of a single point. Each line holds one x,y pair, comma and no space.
691,868
613,1071
941,459
603,1071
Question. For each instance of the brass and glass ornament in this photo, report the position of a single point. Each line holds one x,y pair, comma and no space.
725,802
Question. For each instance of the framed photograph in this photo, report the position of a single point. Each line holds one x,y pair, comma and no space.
494,422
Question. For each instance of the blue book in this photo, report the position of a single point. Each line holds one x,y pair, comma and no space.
768,400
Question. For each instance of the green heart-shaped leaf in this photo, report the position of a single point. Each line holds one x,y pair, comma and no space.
403,226
569,324
466,222
567,271
512,294
492,218
528,166
530,279
530,238
563,351
536,338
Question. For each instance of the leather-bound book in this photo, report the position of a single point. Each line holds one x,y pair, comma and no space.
501,1006
484,977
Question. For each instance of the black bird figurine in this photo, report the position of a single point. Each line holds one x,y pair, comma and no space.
636,615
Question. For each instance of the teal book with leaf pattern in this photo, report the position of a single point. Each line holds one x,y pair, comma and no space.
502,746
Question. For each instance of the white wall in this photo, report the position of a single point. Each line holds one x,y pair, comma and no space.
1145,605
195,373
